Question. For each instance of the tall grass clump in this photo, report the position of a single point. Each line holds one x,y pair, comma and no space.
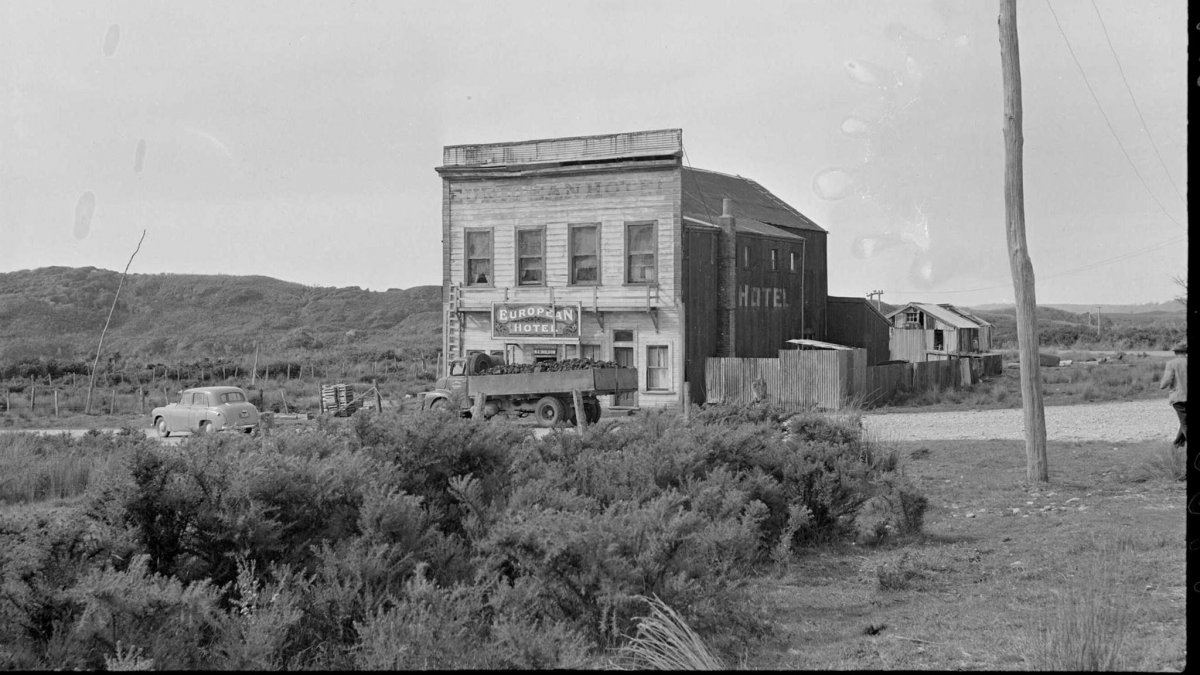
1164,463
37,467
1085,627
664,641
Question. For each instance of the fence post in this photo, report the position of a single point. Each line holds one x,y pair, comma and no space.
378,398
141,402
580,412
112,402
56,403
32,395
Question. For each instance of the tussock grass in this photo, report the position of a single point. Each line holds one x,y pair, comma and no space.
1086,627
1167,463
664,641
35,467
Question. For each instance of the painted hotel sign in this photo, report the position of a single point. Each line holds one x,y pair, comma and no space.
533,320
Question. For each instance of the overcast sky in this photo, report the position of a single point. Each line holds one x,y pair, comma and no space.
298,140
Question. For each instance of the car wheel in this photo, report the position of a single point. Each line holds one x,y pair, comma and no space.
205,428
549,411
160,425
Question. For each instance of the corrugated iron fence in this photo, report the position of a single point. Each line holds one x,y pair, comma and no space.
830,379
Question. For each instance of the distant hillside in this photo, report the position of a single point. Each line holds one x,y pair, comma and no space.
59,312
1146,330
1151,326
1144,308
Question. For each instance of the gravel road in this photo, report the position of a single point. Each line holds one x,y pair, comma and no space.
1123,421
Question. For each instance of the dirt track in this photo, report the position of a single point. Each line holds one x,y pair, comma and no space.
1124,421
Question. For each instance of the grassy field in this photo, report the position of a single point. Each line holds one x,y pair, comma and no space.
1086,571
1133,377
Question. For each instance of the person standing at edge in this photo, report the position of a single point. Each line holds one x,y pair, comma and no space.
1175,378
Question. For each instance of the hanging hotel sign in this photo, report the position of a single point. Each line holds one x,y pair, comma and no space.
535,320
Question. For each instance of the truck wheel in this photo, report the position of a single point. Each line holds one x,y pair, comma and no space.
549,411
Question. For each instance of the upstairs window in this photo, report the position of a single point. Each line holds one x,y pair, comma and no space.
793,262
745,257
774,259
479,257
531,257
641,253
912,317
585,254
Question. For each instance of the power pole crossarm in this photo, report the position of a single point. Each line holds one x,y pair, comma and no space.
1036,465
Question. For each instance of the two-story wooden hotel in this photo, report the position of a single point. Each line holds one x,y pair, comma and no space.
608,247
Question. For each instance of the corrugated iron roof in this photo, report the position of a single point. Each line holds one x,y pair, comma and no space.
817,344
943,314
704,190
752,226
959,310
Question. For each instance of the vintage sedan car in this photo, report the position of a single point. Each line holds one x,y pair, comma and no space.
206,409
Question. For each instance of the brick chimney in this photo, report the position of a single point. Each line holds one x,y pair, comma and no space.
727,281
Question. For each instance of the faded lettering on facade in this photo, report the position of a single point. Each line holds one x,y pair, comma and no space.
762,296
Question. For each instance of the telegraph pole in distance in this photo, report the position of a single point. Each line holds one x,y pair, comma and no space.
876,295
1036,465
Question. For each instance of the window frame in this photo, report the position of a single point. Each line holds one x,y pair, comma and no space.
572,280
663,370
629,253
774,259
745,256
467,232
792,258
518,257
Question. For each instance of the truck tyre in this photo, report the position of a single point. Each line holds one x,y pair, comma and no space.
477,364
550,411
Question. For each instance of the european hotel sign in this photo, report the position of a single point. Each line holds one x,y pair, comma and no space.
532,320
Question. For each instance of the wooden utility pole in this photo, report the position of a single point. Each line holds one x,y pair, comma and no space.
87,405
1037,468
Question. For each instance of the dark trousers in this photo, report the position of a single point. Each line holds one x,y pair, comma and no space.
1181,410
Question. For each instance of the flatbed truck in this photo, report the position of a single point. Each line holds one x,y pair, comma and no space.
549,395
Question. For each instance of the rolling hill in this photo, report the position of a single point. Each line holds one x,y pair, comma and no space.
59,312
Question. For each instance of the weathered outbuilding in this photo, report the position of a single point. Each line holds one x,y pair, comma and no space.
926,332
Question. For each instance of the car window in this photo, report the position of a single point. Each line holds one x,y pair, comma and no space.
200,399
232,397
186,399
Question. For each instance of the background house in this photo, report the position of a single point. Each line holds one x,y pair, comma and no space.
925,332
608,247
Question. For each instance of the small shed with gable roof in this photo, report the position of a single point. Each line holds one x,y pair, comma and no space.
930,332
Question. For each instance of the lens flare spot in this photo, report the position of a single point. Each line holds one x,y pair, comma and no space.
855,127
84,209
833,184
111,39
139,156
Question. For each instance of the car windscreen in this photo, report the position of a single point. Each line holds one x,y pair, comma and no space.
233,397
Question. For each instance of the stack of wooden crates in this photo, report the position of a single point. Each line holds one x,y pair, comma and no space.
337,399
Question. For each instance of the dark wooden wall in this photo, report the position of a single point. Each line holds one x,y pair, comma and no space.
701,304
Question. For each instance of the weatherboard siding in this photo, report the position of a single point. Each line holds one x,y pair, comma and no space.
554,203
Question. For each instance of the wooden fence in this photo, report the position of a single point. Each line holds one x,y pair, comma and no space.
831,379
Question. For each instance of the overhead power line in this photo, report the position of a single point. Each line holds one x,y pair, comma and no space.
1074,270
1136,107
1108,123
